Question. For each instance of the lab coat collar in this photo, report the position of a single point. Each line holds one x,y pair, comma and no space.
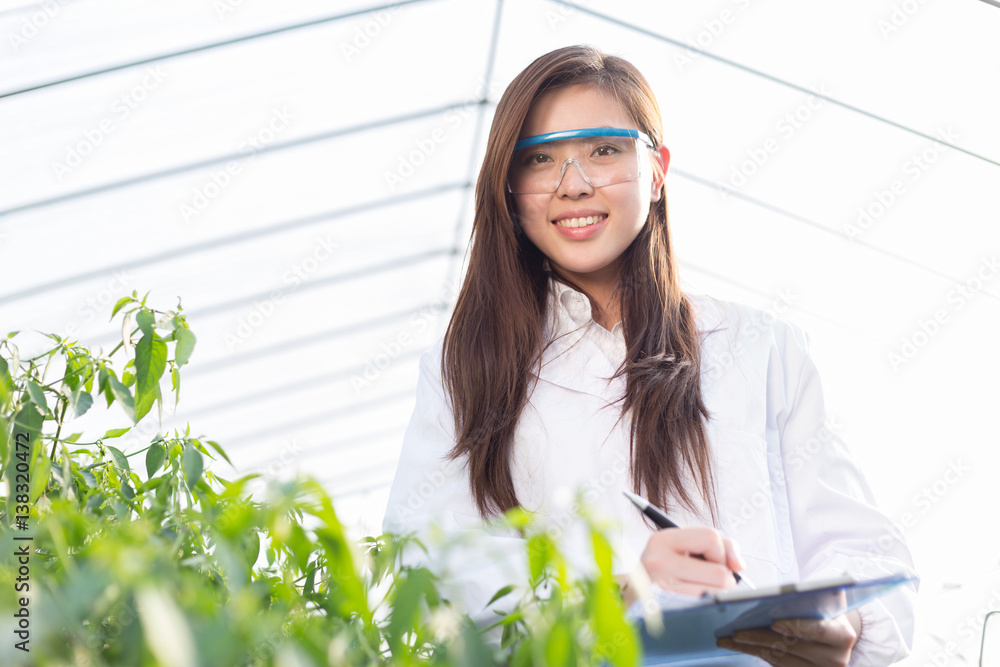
574,360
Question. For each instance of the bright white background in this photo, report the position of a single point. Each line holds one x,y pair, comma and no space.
329,251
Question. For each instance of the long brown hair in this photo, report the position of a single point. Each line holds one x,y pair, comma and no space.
495,336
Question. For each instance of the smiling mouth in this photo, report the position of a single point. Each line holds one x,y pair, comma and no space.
580,222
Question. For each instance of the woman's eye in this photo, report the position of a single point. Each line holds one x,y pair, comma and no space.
606,150
537,158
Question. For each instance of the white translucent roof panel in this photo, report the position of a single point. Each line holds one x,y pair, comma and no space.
368,122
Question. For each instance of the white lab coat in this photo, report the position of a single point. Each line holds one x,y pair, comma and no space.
789,492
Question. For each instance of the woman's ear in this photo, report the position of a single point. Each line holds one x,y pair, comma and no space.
662,157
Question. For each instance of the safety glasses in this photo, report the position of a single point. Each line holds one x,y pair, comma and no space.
604,156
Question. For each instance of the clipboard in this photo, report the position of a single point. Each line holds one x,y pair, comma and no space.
691,629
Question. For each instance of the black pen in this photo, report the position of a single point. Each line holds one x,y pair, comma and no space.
660,519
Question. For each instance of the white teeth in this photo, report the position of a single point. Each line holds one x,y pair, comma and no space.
580,222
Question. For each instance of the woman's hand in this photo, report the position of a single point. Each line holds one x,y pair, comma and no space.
800,642
668,559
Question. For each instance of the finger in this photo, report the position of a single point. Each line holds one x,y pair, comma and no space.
779,645
674,568
774,653
837,632
707,542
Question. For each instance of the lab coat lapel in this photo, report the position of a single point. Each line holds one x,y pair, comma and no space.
574,361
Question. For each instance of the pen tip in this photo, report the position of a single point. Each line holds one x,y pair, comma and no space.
639,502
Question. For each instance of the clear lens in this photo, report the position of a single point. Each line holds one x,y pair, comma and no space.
540,169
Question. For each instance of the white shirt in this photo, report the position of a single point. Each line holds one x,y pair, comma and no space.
789,492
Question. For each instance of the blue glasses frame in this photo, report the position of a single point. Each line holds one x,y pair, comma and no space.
585,132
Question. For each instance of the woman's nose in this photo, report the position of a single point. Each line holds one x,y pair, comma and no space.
572,181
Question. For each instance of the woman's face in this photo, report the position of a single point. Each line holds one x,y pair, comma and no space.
588,255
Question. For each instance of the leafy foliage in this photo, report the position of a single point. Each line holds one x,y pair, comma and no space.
148,557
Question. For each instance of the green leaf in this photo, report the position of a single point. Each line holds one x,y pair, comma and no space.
559,647
6,383
307,588
193,465
154,458
185,345
89,478
104,385
503,592
145,319
122,395
82,401
406,606
251,548
4,440
151,484
175,385
214,445
118,306
39,475
37,395
539,555
126,489
88,385
77,365
72,438
119,458
150,362
115,433
617,639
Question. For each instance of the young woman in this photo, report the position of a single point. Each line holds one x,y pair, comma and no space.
573,360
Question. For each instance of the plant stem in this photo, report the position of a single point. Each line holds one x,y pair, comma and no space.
62,417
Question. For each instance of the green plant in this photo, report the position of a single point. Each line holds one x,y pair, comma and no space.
148,557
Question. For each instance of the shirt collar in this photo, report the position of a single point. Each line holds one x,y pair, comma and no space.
577,306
